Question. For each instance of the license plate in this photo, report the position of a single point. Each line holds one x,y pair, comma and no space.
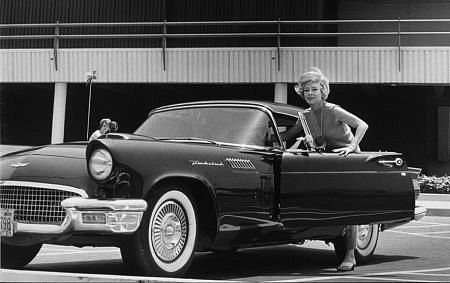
6,222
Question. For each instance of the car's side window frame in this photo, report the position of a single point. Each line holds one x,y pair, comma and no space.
282,123
277,142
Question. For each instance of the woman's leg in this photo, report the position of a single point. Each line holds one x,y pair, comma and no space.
349,261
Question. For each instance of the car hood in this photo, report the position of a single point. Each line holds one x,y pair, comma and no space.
63,164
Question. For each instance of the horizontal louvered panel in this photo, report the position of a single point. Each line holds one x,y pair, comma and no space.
229,65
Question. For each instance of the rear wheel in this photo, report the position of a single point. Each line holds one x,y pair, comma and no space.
165,243
367,239
18,256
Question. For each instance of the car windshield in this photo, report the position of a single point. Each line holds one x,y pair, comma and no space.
237,125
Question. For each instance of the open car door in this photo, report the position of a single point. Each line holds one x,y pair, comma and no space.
327,189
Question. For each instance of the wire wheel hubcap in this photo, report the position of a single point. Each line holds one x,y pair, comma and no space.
169,231
364,235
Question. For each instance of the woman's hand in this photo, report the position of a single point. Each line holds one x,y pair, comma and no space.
344,150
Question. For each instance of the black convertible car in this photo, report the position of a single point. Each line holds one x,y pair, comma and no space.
197,177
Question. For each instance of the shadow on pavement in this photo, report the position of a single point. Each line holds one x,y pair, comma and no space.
283,261
274,261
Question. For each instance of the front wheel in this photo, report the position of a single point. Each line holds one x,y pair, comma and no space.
18,256
165,243
367,239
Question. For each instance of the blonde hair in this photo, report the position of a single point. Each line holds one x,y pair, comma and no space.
313,76
105,121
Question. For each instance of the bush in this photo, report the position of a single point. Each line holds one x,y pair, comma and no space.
434,185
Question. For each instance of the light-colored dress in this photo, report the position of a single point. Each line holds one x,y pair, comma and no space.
335,132
95,135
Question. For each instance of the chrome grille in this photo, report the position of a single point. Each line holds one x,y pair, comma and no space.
35,205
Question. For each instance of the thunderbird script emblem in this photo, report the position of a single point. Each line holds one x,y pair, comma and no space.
19,164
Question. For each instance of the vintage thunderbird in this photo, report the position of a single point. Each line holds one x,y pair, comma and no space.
197,177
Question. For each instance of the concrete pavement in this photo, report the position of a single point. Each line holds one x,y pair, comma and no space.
436,204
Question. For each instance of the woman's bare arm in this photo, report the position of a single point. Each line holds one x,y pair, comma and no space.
292,131
353,121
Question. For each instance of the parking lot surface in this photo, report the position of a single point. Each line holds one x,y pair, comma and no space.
417,251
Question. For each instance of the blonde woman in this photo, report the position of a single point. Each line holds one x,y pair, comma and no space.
103,129
331,128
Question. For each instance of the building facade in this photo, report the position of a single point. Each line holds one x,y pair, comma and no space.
388,62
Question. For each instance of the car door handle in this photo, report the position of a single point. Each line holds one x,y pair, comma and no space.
391,163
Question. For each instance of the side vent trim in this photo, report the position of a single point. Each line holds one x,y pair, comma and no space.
240,164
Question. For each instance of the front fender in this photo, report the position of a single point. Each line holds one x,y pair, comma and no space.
180,178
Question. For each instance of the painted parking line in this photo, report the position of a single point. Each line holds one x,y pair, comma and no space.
381,276
57,247
77,252
417,234
54,250
431,274
427,226
434,223
423,225
433,232
8,275
372,279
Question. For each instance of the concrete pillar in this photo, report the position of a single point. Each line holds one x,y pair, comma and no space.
59,112
280,92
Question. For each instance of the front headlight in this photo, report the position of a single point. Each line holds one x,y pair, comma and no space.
100,164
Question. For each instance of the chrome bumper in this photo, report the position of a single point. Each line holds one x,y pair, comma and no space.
114,216
419,212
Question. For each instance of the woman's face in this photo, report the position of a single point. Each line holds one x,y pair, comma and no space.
312,93
104,128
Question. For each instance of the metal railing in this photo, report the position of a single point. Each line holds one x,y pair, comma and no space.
275,30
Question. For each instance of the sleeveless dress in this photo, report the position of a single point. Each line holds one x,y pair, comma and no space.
336,133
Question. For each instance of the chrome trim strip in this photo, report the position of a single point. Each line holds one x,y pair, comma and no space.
105,205
78,191
241,145
42,228
263,223
339,216
229,227
115,135
414,171
209,104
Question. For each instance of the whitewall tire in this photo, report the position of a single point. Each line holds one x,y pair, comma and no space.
367,239
173,231
165,243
